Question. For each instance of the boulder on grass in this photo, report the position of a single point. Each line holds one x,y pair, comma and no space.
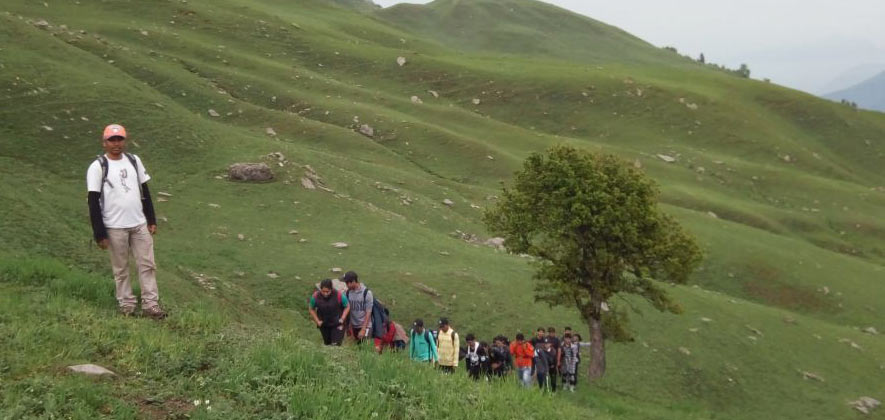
254,172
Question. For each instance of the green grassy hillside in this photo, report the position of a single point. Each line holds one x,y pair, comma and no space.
783,190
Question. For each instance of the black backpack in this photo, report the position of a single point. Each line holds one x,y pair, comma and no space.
103,162
380,316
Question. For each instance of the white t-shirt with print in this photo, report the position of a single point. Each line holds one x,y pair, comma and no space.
121,198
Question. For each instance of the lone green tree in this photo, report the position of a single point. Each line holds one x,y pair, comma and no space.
594,226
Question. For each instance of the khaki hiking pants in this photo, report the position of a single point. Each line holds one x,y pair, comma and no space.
137,239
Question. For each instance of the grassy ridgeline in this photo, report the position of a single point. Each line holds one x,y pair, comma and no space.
54,316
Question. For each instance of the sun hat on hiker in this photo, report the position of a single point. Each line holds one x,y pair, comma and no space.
114,130
349,277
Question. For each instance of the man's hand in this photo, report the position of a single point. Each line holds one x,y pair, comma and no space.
152,229
319,323
104,243
361,334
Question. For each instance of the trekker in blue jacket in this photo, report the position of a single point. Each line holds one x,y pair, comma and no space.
422,346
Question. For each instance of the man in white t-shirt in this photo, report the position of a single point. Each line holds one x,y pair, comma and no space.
123,220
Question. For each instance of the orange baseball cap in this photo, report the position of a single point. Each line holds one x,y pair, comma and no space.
114,130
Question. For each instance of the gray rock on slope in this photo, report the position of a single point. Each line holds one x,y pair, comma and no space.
250,172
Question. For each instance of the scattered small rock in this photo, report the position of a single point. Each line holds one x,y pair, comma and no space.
476,101
871,330
270,131
215,206
336,270
91,369
308,184
865,404
713,215
434,93
448,202
214,113
340,245
367,130
705,319
667,158
754,330
401,61
811,376
293,232
164,194
685,351
273,274
416,100
427,289
42,24
241,237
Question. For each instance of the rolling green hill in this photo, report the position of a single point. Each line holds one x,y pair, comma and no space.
783,190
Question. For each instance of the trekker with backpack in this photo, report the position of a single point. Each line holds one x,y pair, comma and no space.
328,308
448,347
538,339
400,338
500,357
123,220
545,365
361,302
523,352
557,344
422,346
476,358
569,365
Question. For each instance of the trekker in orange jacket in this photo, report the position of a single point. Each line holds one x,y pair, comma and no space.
523,352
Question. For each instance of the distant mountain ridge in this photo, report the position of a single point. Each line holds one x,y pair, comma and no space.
522,27
869,94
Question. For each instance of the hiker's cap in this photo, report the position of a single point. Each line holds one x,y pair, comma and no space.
350,277
114,130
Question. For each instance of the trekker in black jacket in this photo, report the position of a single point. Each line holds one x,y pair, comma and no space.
328,308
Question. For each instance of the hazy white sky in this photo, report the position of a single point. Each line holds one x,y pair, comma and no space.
805,44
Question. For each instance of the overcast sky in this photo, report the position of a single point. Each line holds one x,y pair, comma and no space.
812,45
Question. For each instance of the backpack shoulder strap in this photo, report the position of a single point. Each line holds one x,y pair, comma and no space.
134,163
103,163
365,293
338,293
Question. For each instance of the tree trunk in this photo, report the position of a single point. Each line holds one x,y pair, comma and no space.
597,348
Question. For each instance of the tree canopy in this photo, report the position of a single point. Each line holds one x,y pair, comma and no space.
594,224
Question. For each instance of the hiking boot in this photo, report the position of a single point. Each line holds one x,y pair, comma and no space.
154,312
127,310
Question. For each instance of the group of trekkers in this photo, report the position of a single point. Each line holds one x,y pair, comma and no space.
124,222
354,312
